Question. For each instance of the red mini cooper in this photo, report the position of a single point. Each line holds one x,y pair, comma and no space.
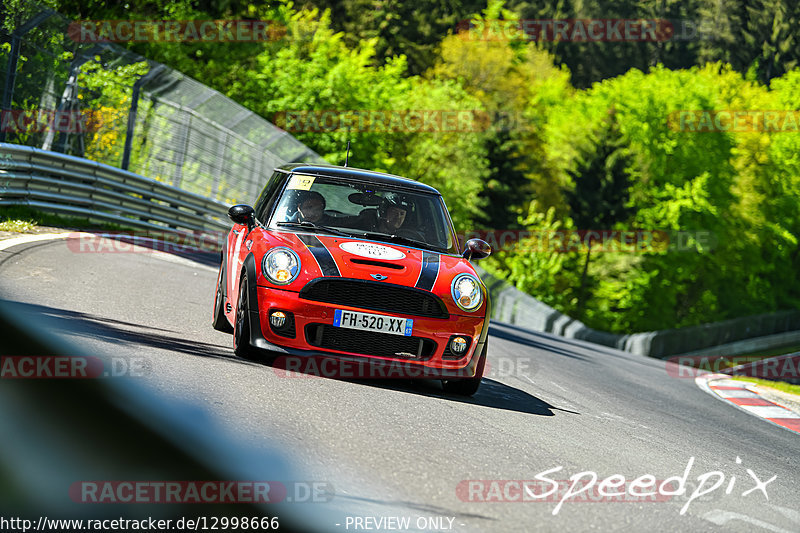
353,265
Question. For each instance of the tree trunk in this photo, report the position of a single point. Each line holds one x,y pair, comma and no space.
582,289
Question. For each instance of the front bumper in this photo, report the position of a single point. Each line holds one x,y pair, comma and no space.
310,318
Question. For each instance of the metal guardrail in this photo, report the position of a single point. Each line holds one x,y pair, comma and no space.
55,182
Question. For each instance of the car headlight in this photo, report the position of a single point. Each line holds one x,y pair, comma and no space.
281,266
466,292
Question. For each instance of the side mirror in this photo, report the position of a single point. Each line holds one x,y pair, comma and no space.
244,215
476,249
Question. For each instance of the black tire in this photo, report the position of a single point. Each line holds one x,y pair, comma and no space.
469,386
220,322
241,330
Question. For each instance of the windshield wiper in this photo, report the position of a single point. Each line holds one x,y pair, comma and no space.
402,240
311,225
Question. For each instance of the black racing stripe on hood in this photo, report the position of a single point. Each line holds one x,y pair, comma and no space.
429,272
321,254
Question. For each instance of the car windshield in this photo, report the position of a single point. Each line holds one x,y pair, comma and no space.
341,207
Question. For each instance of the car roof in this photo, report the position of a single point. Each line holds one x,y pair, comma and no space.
357,174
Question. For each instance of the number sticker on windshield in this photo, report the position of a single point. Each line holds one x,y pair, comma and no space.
300,183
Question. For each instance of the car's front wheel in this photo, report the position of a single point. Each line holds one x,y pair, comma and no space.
241,330
469,386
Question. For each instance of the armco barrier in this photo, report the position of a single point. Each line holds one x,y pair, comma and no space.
513,306
51,181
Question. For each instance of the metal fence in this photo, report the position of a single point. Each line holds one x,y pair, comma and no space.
104,103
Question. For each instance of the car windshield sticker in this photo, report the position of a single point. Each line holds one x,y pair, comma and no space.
429,272
300,183
323,257
372,250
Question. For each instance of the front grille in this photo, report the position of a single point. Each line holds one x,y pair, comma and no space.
376,296
369,342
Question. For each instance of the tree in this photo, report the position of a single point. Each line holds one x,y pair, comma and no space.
410,29
515,84
600,197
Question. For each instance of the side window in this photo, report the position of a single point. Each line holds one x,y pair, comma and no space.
268,196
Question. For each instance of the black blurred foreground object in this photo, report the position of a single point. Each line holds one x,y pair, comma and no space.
57,432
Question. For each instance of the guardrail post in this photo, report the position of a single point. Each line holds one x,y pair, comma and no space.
137,87
186,129
69,100
13,59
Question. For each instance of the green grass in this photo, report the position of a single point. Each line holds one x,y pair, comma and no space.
16,225
24,219
777,385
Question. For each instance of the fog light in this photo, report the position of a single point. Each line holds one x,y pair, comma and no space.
277,319
458,345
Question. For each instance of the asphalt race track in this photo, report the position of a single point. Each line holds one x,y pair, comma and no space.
406,450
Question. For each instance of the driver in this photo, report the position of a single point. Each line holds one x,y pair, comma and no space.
391,214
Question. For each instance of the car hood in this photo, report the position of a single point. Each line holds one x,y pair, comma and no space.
334,256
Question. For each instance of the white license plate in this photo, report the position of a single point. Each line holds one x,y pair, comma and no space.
370,322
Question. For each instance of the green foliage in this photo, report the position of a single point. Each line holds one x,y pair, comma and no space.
106,92
516,83
409,29
600,195
536,266
717,184
317,71
549,159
